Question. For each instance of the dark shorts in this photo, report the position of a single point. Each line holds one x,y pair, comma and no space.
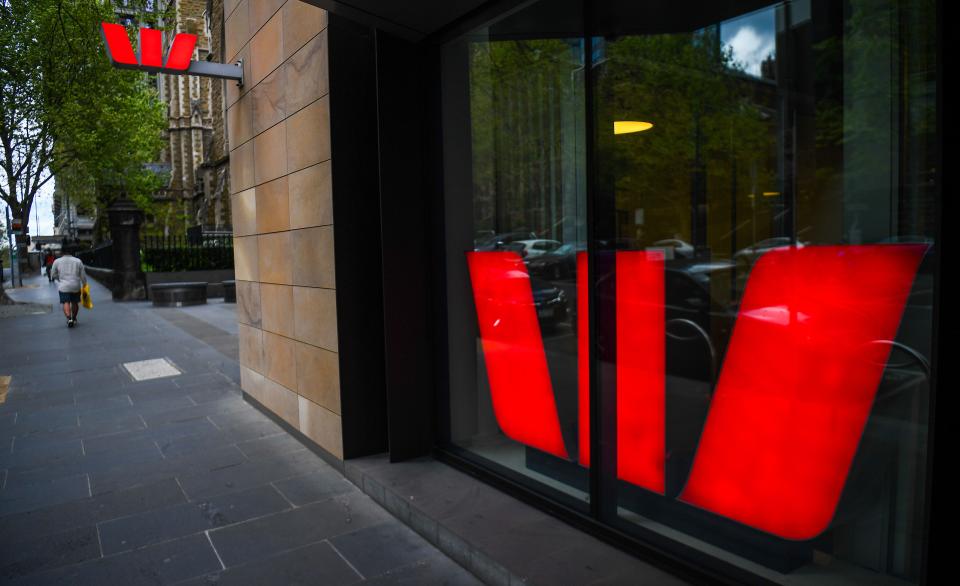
68,297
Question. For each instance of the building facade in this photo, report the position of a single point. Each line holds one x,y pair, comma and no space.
668,270
71,221
195,156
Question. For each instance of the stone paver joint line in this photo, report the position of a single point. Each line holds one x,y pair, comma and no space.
180,486
153,368
274,486
223,566
99,541
214,423
344,558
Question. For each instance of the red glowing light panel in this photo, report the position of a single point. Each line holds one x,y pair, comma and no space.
641,375
181,52
798,383
119,49
522,394
151,48
583,360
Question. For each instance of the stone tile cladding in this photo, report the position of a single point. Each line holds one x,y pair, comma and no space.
279,136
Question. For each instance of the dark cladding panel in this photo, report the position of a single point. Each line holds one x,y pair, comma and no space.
353,136
409,20
404,229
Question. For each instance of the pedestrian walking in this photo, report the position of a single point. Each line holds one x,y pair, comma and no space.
69,271
48,259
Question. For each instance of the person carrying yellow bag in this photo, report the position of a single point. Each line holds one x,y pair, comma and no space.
70,275
85,300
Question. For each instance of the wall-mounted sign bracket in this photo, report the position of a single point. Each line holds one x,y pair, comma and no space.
232,71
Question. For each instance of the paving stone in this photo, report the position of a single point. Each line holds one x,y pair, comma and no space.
189,412
160,434
107,377
117,443
202,464
251,427
214,394
97,403
276,533
50,420
51,551
381,548
27,497
172,522
269,446
39,450
199,484
317,563
436,569
89,511
588,563
7,422
309,488
207,379
44,381
521,545
191,444
95,424
164,563
88,464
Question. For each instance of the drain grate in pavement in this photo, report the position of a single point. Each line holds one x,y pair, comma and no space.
149,369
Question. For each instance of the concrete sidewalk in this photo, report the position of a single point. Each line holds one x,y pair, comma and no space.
108,480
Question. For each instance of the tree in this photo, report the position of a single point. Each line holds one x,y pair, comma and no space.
64,107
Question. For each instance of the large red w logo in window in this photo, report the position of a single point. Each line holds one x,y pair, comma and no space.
792,399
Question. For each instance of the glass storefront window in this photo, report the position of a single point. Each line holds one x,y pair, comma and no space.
516,221
757,194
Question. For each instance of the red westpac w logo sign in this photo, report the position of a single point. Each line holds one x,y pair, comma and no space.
149,55
799,378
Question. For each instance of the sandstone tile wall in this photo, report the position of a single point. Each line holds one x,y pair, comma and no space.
279,137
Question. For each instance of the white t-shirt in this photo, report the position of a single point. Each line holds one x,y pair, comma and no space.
70,272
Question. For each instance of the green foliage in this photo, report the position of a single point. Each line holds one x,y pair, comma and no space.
526,97
707,115
67,112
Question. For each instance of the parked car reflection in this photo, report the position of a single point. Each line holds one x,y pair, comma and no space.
749,255
551,304
499,241
557,264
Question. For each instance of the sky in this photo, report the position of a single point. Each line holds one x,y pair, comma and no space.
42,211
752,38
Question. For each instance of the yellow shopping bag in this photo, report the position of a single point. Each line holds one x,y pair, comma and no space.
85,299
